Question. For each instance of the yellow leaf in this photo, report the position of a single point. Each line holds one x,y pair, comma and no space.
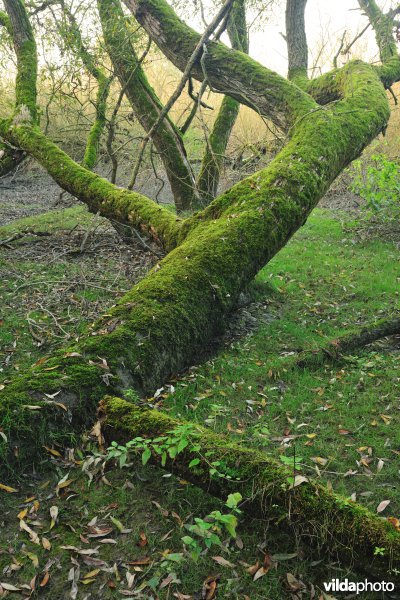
8,489
52,451
311,436
22,514
92,574
46,543
65,484
386,419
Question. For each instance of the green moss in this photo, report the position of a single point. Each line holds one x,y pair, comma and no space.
283,104
96,130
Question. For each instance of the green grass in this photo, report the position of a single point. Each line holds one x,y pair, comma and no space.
326,284
30,286
323,284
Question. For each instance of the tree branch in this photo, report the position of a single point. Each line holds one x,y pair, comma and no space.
195,56
146,105
228,71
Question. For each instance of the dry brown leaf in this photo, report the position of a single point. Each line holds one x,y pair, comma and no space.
294,584
45,579
142,540
223,562
32,534
46,543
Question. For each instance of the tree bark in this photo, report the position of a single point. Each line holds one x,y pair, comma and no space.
296,40
18,26
146,105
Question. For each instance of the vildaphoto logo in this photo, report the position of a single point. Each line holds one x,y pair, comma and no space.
336,585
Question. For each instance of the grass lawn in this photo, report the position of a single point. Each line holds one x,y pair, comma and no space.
340,421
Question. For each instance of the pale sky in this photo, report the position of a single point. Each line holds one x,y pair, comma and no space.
326,20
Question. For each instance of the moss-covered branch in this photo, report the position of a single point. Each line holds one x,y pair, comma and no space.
25,50
212,163
146,105
97,128
336,349
72,35
314,514
228,71
383,27
97,193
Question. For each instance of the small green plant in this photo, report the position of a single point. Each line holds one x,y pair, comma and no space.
378,184
379,551
207,532
182,437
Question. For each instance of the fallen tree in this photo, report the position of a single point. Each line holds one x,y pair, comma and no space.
312,514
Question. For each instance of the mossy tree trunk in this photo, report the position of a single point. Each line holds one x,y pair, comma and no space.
216,144
19,28
162,325
146,105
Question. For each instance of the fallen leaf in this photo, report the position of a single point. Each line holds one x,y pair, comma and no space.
22,514
266,566
223,562
210,587
281,557
395,522
381,507
294,584
121,528
298,480
32,534
45,579
386,419
8,489
53,515
10,588
142,540
46,543
52,451
319,460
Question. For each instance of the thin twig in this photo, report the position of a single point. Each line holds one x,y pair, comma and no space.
196,54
